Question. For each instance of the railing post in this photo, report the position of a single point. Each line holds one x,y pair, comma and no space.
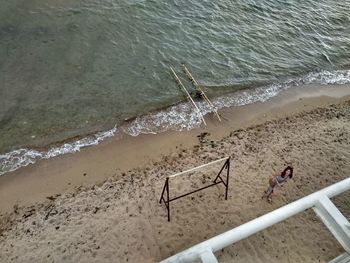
343,258
207,256
334,221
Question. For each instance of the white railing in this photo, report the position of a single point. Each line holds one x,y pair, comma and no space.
319,201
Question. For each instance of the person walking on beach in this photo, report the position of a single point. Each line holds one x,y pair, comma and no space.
278,180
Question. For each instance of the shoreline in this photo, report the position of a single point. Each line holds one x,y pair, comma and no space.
93,165
119,216
175,117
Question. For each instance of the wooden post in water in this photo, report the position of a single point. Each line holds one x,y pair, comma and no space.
199,88
188,95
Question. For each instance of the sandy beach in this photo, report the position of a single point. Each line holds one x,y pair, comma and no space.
102,204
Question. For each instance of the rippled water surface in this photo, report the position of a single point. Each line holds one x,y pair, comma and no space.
78,66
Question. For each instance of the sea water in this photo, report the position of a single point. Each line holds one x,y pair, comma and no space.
80,67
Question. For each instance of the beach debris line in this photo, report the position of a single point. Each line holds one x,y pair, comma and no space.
165,196
200,90
188,96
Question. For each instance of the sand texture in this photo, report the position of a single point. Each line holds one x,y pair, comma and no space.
121,220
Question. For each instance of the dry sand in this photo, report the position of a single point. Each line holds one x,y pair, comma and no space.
120,219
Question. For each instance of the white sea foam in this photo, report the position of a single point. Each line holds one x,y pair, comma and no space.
327,77
179,117
13,160
184,117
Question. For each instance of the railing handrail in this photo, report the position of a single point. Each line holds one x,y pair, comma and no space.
252,227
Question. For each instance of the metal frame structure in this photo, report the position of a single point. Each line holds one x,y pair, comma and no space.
319,201
218,180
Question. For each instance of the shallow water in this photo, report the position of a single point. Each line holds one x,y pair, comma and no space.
74,67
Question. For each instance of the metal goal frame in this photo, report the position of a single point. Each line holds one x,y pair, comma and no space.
165,196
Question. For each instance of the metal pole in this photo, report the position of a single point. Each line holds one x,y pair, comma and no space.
227,176
167,189
222,168
161,197
198,167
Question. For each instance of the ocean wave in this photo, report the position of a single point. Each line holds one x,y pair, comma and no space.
327,77
182,116
22,157
178,117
